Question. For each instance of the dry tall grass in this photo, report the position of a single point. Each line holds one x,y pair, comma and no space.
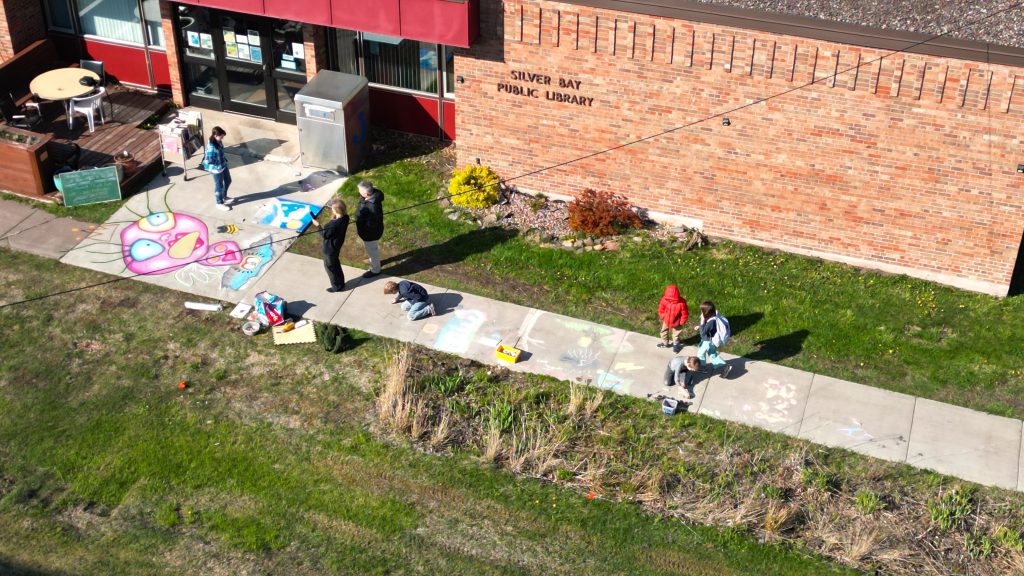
491,450
394,405
442,431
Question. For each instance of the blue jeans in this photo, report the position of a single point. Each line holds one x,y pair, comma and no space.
221,182
417,310
708,350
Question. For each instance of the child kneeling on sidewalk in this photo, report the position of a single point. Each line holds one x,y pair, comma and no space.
413,297
680,371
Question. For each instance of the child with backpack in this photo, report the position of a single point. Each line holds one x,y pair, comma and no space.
714,333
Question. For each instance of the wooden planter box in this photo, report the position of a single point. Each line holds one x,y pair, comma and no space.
25,164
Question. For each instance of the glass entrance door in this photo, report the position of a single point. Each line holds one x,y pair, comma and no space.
245,77
241,63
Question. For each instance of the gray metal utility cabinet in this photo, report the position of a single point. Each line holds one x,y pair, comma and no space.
333,113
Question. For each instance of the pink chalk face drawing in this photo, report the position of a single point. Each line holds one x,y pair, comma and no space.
163,242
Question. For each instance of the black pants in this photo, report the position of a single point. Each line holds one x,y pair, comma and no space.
334,272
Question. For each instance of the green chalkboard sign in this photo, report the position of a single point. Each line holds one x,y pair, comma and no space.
90,186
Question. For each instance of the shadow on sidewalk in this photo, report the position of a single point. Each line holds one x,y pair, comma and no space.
449,252
780,347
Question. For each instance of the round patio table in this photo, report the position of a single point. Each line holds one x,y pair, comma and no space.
63,84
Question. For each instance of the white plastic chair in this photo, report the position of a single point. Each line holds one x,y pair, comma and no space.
88,105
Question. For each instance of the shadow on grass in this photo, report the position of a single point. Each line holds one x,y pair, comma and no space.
11,568
450,251
780,347
388,146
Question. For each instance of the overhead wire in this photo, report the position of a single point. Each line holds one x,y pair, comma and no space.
546,168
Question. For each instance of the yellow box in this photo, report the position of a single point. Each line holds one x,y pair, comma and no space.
507,353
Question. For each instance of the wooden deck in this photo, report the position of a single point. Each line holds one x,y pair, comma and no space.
118,134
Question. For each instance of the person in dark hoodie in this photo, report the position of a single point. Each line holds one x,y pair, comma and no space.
673,313
370,223
333,236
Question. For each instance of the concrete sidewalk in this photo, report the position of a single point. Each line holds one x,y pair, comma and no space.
948,439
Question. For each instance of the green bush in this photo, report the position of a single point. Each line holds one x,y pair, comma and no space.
868,502
602,214
448,384
474,187
823,480
952,509
978,545
1009,539
770,492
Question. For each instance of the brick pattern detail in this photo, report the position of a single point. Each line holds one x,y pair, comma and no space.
314,40
166,21
22,22
890,160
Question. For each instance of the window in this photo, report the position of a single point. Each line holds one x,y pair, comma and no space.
58,15
348,51
449,72
196,35
111,19
289,53
202,80
401,63
154,27
397,62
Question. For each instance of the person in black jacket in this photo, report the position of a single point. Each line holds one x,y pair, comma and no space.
370,223
333,235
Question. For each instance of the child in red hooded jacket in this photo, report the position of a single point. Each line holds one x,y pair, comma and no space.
673,313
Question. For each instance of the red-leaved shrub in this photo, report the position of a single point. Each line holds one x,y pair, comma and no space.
602,214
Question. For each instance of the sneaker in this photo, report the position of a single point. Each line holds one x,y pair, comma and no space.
370,274
224,207
367,260
726,370
664,345
332,290
677,347
430,309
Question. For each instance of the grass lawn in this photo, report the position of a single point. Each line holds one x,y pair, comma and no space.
95,213
883,330
270,462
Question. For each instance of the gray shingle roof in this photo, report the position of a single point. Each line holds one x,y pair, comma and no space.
921,16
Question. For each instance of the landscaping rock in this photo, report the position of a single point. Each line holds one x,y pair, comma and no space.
611,245
453,216
599,247
567,243
489,220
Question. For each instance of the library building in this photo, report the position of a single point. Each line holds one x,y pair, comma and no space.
890,140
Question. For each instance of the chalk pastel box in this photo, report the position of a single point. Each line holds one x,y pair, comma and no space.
507,353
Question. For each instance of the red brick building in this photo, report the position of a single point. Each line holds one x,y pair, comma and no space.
888,149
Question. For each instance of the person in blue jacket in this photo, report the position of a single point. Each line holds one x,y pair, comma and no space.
216,164
413,297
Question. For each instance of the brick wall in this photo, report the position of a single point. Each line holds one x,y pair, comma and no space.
904,163
173,64
21,23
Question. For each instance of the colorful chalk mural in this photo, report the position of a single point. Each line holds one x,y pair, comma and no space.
585,351
286,214
179,245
